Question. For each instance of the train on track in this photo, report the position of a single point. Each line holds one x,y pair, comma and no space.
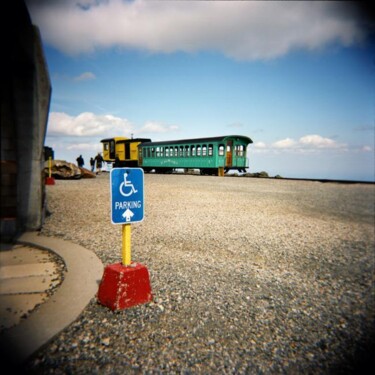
213,155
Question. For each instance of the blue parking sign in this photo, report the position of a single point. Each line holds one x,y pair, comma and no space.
127,202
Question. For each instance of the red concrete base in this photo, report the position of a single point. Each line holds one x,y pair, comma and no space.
50,181
124,286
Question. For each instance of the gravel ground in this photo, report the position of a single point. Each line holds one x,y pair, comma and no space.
248,276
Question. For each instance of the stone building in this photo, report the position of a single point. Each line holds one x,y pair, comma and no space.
25,99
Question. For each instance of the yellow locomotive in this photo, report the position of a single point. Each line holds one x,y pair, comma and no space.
122,151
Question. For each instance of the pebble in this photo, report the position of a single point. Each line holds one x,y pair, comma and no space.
105,341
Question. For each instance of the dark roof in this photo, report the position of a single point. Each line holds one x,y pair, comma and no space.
135,140
128,140
197,140
111,139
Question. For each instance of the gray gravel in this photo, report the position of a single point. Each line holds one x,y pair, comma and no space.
248,276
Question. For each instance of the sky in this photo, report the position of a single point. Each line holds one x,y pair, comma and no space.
297,77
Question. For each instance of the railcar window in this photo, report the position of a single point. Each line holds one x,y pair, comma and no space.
198,150
192,150
112,146
105,146
161,151
148,152
157,152
221,150
176,151
181,151
152,152
204,150
167,152
210,150
187,151
240,150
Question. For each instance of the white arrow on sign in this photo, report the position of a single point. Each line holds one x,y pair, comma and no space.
128,214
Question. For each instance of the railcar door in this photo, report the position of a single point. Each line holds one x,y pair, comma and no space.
229,153
140,156
127,151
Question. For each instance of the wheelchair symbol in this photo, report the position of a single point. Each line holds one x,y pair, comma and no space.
126,187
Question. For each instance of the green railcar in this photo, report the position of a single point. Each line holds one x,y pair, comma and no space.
215,155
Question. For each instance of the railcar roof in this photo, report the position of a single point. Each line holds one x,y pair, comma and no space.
126,140
198,140
114,138
135,140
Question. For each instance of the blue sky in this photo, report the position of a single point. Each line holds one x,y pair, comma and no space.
298,78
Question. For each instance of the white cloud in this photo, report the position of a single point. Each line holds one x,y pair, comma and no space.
84,146
236,125
284,143
258,148
307,143
366,149
156,127
81,134
87,124
86,76
247,30
316,141
260,145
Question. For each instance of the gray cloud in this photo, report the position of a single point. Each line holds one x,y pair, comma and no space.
245,30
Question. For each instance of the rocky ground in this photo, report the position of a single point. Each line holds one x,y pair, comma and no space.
248,276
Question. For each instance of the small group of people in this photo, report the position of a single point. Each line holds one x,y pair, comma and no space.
98,161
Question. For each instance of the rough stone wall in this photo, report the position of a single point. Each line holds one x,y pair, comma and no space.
25,99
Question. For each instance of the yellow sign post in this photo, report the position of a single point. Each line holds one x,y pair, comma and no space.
125,284
49,166
50,180
126,244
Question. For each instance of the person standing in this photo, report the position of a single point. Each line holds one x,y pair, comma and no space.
99,161
80,161
92,163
